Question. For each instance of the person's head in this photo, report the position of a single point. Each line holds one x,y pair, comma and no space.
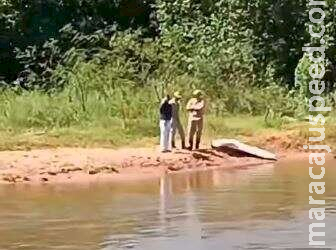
198,94
177,95
167,98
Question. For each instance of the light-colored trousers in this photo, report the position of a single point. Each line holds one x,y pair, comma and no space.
165,127
177,127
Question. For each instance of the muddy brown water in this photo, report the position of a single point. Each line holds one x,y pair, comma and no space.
263,207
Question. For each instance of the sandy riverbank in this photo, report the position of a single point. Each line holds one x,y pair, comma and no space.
78,165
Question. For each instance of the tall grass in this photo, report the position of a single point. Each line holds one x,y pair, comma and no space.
107,106
97,96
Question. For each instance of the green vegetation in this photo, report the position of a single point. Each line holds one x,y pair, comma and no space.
91,73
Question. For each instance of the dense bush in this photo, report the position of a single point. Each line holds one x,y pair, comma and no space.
244,53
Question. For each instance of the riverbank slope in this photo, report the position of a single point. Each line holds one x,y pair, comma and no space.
85,165
87,155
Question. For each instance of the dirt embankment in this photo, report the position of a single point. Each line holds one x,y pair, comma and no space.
69,165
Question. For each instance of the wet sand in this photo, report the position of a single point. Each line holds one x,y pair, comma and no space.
78,165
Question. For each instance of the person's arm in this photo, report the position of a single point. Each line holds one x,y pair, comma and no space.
199,106
161,108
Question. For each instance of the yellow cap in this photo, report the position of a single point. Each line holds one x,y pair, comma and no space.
197,92
178,95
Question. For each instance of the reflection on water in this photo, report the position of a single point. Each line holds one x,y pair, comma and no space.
263,207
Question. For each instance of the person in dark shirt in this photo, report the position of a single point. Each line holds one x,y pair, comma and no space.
166,113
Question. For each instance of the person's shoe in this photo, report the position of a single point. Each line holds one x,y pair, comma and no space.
183,145
190,146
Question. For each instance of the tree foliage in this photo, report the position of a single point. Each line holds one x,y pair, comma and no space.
37,34
222,43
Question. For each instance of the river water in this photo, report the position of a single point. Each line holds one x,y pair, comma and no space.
263,207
